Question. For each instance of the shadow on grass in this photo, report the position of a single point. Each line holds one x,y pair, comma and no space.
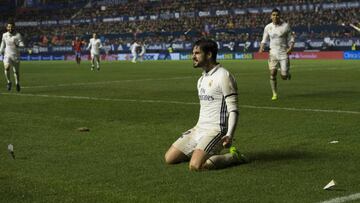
337,189
280,155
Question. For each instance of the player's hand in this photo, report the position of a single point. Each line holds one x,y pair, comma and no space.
289,51
261,50
226,141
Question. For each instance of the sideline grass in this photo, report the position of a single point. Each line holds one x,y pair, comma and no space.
121,158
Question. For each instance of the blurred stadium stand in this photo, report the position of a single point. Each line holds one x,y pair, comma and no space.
237,25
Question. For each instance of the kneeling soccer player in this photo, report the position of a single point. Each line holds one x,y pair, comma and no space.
218,117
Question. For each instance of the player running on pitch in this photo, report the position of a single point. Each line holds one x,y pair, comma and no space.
95,45
11,40
281,44
77,44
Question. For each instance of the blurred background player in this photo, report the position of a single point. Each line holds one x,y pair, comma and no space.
11,40
281,44
137,51
134,47
77,44
142,51
95,45
355,27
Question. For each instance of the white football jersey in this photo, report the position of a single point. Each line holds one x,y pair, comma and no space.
213,88
10,43
143,50
134,46
280,36
95,45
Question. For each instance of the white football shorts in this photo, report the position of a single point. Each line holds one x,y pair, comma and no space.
11,60
283,64
196,138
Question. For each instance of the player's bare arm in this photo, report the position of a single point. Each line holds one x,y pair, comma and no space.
355,27
291,47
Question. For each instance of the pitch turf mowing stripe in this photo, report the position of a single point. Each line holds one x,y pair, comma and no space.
343,199
296,109
179,102
155,79
104,82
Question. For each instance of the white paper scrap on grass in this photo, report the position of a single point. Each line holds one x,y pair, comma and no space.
331,184
10,147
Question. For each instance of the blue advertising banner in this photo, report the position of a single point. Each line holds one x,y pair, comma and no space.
352,55
27,57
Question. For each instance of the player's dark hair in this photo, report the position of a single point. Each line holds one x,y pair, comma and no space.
276,11
10,22
208,46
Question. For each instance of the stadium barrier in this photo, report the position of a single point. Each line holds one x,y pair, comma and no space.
334,44
307,55
336,55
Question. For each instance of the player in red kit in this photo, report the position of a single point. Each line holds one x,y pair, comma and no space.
77,44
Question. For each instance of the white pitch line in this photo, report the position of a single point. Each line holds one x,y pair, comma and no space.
104,82
343,199
178,102
296,109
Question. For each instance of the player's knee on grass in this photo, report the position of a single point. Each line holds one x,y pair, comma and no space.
198,159
169,158
174,156
195,166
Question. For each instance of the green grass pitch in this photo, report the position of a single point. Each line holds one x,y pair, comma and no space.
136,111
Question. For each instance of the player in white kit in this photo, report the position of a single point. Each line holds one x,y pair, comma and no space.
218,116
134,51
281,44
10,42
95,45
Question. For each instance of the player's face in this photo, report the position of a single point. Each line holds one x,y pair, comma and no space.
94,36
198,57
10,28
275,17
